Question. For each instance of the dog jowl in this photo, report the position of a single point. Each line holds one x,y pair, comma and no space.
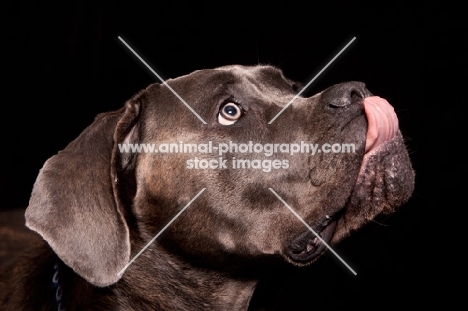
336,158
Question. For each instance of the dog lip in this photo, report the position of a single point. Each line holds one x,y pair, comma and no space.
307,246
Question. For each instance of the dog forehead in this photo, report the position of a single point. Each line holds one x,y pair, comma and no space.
258,72
246,70
264,82
231,74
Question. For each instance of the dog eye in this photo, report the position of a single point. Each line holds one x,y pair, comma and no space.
230,113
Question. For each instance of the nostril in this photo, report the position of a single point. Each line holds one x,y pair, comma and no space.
346,94
340,102
356,96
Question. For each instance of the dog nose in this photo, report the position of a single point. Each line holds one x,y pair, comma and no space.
346,94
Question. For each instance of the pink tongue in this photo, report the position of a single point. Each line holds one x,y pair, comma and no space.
382,122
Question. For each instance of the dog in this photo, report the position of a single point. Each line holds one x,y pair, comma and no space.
230,174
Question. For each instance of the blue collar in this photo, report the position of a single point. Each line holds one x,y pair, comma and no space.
58,289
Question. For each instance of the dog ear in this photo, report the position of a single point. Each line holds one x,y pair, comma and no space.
75,204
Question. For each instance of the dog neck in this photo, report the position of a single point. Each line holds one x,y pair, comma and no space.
158,274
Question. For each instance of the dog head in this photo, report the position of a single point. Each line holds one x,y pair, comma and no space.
334,160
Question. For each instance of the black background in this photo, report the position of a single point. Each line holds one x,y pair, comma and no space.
64,64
